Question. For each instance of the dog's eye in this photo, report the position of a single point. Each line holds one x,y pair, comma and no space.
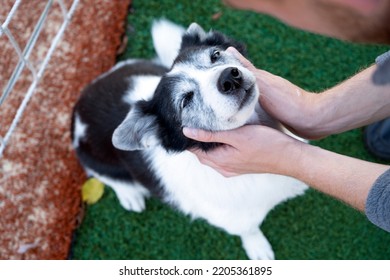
214,56
186,99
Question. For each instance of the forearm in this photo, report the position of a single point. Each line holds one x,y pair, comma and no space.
247,150
354,103
345,178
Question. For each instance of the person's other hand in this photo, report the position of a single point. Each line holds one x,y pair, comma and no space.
249,149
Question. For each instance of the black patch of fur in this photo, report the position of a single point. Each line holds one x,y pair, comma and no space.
213,39
102,108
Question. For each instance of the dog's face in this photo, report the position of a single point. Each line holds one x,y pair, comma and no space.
206,88
210,89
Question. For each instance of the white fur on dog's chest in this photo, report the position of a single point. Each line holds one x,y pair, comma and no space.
201,192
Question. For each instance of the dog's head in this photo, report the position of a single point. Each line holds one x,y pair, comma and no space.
205,88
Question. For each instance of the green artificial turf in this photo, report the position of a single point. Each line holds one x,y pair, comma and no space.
313,226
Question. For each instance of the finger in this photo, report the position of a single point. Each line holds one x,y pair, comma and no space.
220,169
210,160
204,136
227,174
205,158
245,62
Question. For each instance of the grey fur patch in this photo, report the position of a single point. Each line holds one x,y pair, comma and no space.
196,29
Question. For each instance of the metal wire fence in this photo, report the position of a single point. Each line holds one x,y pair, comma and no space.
23,56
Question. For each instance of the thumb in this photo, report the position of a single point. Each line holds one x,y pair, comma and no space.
245,62
204,136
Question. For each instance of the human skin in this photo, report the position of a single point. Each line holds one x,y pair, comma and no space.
353,103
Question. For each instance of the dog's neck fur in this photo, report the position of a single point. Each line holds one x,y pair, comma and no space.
259,117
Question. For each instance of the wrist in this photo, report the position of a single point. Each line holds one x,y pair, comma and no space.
304,162
293,163
317,115
310,116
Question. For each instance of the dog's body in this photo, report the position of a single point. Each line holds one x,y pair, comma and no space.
127,131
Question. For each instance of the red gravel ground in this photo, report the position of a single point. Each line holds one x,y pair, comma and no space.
40,177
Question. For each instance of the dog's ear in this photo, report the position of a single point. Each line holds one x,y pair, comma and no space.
196,30
138,131
196,36
167,38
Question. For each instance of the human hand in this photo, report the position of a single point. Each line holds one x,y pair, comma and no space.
293,106
248,149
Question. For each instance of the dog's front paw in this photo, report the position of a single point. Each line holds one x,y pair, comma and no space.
257,246
131,196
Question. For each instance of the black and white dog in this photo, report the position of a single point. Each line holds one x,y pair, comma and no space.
127,131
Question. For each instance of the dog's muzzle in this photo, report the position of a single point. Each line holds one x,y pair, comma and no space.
230,80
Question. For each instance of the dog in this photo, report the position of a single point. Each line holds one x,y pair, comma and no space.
127,132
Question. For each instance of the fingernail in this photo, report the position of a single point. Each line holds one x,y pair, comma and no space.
231,50
190,132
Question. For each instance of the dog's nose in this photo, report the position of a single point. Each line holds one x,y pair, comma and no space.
230,79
